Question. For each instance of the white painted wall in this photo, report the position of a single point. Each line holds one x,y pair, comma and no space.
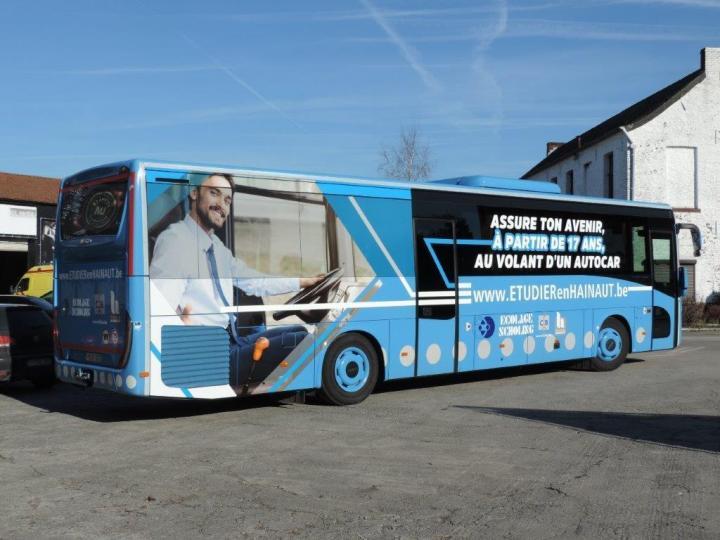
676,161
592,182
18,220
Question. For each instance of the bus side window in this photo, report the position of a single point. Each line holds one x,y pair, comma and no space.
639,250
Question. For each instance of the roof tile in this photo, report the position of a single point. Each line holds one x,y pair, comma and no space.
25,188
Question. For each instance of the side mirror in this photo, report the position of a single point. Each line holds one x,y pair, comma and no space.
683,281
695,234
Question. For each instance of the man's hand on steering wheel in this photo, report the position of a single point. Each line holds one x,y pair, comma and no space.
310,281
314,289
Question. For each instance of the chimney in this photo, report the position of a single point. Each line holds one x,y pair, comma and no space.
552,146
710,61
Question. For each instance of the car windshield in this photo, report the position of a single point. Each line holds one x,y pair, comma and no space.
23,285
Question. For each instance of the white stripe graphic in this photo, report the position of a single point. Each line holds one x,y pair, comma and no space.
268,308
640,288
465,285
442,294
317,306
382,247
444,302
437,302
435,294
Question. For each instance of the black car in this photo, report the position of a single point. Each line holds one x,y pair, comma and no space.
26,345
42,303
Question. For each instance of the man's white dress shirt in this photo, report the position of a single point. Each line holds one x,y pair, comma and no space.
180,269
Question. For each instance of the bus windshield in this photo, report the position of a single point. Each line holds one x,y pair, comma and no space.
92,208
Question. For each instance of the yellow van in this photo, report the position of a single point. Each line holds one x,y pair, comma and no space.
37,281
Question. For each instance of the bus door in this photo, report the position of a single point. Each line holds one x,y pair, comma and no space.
664,289
437,298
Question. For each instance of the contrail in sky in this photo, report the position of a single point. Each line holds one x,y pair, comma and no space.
227,71
407,51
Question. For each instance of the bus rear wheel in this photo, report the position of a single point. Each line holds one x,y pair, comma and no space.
350,370
612,346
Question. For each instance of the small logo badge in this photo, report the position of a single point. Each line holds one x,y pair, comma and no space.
544,323
486,327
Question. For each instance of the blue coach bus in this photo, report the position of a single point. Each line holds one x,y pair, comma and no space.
202,281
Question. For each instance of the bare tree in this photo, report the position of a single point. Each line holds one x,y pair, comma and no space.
409,160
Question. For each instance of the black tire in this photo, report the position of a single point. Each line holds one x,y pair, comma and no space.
610,354
43,383
354,379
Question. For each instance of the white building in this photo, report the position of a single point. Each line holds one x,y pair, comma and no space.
665,148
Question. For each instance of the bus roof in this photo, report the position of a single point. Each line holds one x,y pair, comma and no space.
487,185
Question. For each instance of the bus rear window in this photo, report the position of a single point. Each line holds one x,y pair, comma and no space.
92,209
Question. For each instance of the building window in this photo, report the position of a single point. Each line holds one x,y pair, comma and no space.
586,176
554,179
608,177
570,182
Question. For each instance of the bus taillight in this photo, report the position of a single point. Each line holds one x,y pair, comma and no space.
56,334
128,341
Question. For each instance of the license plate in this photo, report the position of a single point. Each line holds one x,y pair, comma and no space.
39,362
93,358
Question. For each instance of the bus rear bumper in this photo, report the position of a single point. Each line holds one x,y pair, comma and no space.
87,376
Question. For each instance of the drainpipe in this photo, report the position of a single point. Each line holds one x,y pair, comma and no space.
630,163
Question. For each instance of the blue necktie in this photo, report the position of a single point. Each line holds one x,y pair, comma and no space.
218,288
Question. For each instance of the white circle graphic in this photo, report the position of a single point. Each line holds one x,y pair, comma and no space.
550,343
640,335
506,347
484,348
462,351
407,356
570,341
589,339
529,345
433,354
130,382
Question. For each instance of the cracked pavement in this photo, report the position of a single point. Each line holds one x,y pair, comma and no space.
541,452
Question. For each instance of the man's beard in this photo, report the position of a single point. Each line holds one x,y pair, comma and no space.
207,222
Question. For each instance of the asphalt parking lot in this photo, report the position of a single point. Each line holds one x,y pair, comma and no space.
532,452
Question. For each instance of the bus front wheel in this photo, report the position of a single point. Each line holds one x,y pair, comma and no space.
350,370
612,346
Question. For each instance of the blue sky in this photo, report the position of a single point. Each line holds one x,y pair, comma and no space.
321,86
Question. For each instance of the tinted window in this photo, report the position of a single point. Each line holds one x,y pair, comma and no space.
435,270
514,236
663,275
639,250
94,208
